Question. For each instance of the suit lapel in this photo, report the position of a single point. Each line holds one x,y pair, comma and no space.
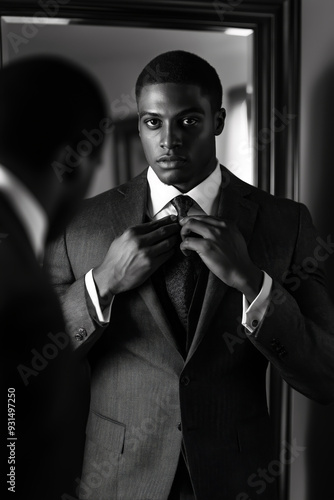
132,211
151,299
132,207
233,206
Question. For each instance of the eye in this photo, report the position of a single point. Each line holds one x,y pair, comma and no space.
189,122
153,123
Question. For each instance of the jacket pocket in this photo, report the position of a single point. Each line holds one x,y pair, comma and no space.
106,432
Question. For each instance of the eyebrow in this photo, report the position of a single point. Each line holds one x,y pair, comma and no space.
183,112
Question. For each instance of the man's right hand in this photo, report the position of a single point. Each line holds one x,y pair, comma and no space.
136,254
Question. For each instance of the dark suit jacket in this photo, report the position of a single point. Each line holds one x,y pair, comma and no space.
142,388
36,363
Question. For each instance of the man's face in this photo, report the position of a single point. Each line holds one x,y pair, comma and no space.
177,127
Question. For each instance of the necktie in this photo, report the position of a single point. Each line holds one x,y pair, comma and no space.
182,205
180,271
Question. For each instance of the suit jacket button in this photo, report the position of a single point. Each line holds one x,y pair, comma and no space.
185,380
179,426
255,323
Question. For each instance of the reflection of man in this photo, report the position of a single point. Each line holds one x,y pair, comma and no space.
45,104
178,406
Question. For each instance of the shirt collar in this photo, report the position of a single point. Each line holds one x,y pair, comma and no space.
204,194
29,210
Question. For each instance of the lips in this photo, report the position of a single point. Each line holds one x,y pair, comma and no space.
171,158
171,161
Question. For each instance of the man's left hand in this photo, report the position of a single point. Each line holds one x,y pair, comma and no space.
223,250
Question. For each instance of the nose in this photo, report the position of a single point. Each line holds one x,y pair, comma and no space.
170,137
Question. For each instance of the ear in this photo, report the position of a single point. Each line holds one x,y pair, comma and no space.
72,170
138,124
220,121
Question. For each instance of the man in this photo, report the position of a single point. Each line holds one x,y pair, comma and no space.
156,279
46,105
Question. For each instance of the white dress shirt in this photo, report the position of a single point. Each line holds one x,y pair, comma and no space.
206,199
28,209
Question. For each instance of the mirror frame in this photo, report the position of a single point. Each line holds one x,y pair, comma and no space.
276,25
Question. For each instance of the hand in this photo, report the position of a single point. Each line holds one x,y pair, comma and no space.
135,255
223,250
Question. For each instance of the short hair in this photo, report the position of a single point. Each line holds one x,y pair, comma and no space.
46,103
179,66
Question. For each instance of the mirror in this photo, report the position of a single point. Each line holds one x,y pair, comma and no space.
265,87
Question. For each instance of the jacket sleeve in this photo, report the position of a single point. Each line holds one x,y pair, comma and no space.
75,302
297,333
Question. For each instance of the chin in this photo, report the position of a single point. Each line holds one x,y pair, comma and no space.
172,178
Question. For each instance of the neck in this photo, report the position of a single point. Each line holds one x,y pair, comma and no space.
186,187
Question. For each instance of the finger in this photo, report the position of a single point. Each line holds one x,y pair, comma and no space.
148,227
186,253
214,221
198,245
160,234
164,246
201,228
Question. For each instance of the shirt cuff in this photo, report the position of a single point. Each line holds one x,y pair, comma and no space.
101,316
253,314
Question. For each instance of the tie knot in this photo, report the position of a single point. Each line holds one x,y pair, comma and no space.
182,204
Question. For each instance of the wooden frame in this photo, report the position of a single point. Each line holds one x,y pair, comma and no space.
276,24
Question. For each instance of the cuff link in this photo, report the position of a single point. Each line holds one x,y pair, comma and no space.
81,334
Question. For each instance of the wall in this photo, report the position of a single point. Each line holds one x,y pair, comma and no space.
312,472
